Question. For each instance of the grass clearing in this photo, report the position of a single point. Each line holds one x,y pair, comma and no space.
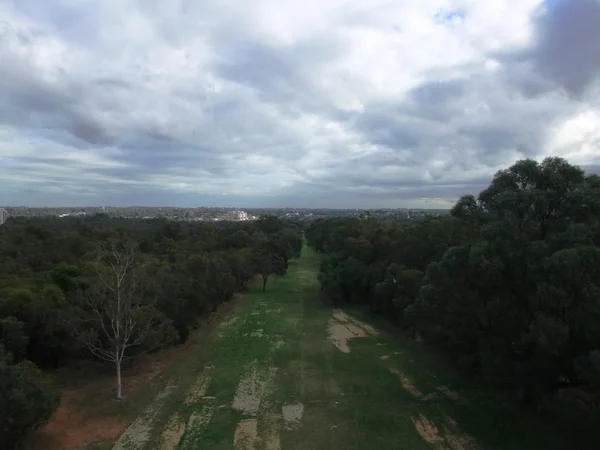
292,386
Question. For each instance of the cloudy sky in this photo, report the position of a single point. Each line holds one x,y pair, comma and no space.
328,103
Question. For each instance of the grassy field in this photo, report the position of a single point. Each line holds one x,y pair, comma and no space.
283,371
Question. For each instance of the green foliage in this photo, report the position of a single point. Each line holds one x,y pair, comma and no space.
191,268
508,286
28,400
13,338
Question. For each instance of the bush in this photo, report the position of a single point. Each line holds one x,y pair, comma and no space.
28,400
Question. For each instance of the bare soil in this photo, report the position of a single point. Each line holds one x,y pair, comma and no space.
87,413
407,383
427,429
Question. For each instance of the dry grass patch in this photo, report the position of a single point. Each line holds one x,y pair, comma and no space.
427,429
199,387
449,393
139,432
342,328
197,422
229,322
170,437
246,435
251,388
407,383
269,431
292,415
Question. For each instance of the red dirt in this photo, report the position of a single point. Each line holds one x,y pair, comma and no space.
68,429
74,424
72,427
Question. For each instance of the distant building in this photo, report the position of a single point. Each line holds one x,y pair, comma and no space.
71,214
3,216
236,215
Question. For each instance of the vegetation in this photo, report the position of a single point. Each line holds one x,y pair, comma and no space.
507,287
283,370
115,288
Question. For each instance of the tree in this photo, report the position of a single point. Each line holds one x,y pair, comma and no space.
292,240
241,264
13,338
267,263
269,224
507,286
28,399
118,319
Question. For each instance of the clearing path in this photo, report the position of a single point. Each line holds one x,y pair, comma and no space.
288,372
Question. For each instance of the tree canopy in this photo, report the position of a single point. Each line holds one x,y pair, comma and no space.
507,286
58,288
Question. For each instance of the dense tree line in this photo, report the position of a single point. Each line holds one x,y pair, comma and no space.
507,286
72,288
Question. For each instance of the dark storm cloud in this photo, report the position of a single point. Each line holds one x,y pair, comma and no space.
29,102
568,43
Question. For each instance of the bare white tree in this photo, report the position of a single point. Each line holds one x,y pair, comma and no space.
117,316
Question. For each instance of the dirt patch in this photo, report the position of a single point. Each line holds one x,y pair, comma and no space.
407,383
427,429
198,390
450,420
246,434
455,438
341,329
371,330
270,387
69,429
292,415
229,322
269,430
170,437
384,357
139,432
356,330
339,335
459,441
250,389
449,393
88,413
197,423
431,396
341,316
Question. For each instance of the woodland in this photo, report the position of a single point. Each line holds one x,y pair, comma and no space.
112,289
507,287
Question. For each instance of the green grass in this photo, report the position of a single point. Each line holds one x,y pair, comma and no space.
351,400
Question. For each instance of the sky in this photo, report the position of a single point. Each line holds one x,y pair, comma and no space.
289,103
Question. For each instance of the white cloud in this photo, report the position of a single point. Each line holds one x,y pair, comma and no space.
337,102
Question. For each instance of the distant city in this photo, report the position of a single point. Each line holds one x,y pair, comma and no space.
218,214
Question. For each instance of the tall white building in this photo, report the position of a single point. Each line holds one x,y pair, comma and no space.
236,215
3,216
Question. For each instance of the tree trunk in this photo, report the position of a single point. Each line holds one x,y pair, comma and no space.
119,387
264,283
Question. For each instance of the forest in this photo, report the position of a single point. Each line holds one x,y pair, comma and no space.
111,289
507,287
